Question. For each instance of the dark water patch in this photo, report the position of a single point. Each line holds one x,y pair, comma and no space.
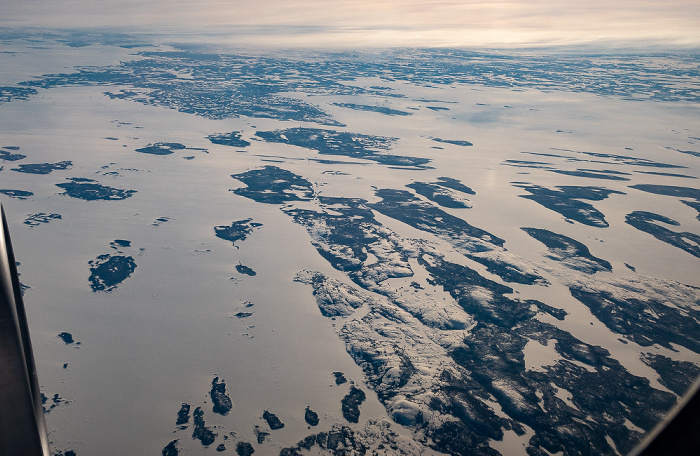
242,315
19,194
565,200
41,217
9,156
90,190
438,108
369,108
273,185
568,251
272,420
108,271
43,168
229,139
237,231
350,405
648,222
219,397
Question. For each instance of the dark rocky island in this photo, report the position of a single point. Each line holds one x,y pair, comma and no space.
200,431
108,271
183,415
331,142
339,378
340,440
310,417
649,223
89,190
441,192
273,185
351,404
569,251
645,321
228,139
41,217
674,375
161,148
379,109
19,194
6,155
245,270
673,190
244,449
66,337
221,400
605,174
43,168
456,142
237,231
566,200
171,449
334,298
272,420
402,205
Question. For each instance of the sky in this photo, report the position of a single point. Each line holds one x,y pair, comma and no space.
639,23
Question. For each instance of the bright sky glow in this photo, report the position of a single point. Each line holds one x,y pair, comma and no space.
384,23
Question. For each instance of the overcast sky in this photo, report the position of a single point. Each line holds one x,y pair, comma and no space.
385,22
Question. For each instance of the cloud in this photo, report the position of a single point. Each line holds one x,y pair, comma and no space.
396,22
